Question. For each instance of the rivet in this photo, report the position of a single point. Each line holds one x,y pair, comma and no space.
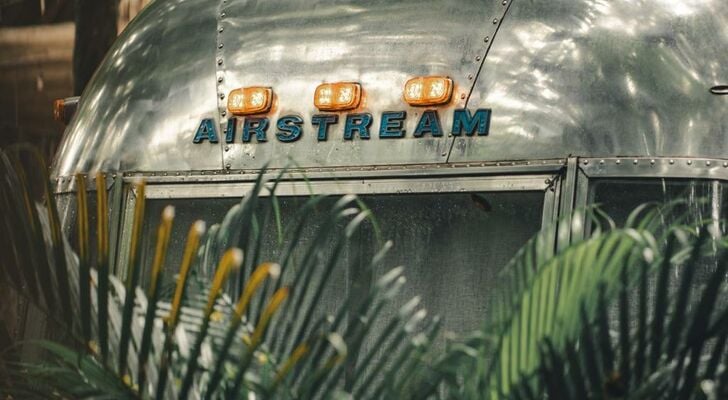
219,46
707,163
219,80
177,173
725,165
487,39
619,162
223,113
470,76
505,2
495,20
444,153
227,148
222,15
586,162
219,61
601,162
220,29
477,58
672,162
652,162
690,162
165,174
635,162
222,96
462,96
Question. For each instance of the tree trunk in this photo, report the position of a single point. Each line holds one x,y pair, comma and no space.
95,32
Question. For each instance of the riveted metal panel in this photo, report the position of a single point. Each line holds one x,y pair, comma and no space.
149,95
600,78
293,46
563,78
643,167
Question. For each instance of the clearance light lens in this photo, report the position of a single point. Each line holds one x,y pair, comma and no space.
428,91
63,109
337,96
250,100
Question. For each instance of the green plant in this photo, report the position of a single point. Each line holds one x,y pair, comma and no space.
123,342
617,314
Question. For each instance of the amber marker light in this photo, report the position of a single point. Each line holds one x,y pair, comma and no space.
250,100
428,91
63,109
337,96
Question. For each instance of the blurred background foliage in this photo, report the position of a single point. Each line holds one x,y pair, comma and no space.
48,50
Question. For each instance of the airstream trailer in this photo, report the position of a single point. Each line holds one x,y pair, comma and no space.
466,125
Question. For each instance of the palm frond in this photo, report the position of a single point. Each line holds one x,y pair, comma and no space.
135,345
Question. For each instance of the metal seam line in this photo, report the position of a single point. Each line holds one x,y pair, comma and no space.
498,21
219,76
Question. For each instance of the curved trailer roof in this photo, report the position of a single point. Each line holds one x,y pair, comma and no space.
562,77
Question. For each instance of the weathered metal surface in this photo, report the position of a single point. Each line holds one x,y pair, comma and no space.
596,78
293,46
176,63
155,85
562,78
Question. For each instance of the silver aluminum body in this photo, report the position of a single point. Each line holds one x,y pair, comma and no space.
563,77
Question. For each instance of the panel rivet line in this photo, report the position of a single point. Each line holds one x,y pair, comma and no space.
654,167
220,70
500,8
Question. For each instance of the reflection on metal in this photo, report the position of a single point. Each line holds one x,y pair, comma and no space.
595,78
149,95
379,44
159,81
563,79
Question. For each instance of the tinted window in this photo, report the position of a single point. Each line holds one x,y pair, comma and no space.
453,245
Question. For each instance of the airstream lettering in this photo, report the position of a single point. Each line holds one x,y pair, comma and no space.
323,121
257,125
290,127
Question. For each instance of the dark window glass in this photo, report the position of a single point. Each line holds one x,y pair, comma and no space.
453,245
696,201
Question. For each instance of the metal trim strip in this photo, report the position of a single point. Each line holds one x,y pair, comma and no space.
361,187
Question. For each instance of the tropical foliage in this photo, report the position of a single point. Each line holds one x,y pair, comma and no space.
619,315
626,312
125,342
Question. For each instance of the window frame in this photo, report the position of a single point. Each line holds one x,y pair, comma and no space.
546,177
